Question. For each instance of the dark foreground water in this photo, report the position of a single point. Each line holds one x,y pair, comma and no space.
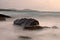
8,31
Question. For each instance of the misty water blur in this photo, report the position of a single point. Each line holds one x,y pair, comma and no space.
8,31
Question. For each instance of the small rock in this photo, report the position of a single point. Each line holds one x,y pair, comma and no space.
25,37
55,27
46,27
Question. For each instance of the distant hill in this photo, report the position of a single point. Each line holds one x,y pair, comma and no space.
7,10
24,10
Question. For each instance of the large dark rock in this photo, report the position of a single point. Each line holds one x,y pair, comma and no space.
26,22
3,17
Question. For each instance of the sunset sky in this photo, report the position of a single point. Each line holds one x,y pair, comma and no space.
43,5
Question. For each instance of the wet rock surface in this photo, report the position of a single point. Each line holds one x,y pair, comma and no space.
33,28
2,19
26,22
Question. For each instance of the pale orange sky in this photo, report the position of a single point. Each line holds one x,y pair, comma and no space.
49,5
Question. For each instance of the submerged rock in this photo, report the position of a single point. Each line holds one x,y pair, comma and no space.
26,22
35,28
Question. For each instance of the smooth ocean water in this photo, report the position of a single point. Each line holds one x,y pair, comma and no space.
10,32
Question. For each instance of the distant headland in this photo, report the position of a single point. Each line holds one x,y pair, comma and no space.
24,10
